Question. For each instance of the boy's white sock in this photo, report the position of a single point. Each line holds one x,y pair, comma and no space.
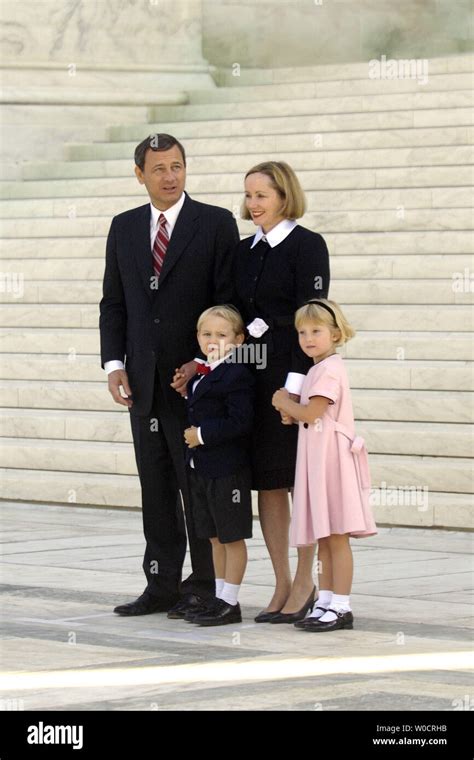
219,587
340,603
323,600
230,593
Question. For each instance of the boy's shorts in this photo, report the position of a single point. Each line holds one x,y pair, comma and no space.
222,507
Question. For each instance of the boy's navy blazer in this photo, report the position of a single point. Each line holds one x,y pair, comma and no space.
223,407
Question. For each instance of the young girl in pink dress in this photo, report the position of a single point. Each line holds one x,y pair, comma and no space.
332,484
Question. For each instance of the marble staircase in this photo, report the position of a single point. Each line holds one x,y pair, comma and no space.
387,169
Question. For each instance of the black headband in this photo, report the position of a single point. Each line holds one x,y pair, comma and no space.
325,306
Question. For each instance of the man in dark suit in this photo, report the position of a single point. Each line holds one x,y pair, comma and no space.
166,262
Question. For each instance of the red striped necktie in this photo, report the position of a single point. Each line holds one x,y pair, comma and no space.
160,245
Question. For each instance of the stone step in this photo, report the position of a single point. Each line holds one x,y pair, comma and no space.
367,345
108,77
434,473
443,74
368,245
356,159
67,95
463,63
382,437
384,373
32,131
457,318
330,179
335,104
443,510
331,200
433,266
452,290
328,88
369,404
83,489
315,124
302,142
325,222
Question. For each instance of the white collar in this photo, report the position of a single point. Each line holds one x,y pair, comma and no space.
171,213
277,234
215,364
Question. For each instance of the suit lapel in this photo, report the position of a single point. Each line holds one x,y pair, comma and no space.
142,248
206,383
183,232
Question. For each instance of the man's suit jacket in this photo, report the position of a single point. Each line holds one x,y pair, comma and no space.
223,407
148,327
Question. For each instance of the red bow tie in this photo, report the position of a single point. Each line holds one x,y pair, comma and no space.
202,369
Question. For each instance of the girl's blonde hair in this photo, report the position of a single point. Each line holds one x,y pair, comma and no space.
284,180
225,311
315,312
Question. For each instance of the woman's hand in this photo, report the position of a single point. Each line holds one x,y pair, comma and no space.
182,376
286,419
191,437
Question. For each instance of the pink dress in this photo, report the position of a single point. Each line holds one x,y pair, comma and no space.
332,483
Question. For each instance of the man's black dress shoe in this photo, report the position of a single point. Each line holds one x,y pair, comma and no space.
266,617
309,620
343,620
188,602
221,614
144,605
293,617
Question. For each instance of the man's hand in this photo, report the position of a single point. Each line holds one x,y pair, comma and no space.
119,379
182,376
191,437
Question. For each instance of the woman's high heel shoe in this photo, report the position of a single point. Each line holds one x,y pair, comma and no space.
293,617
266,617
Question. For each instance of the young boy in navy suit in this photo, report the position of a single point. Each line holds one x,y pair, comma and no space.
220,411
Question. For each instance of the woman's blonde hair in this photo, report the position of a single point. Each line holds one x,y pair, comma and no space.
319,312
225,311
284,180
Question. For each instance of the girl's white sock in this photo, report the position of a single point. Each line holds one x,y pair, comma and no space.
230,593
340,603
219,587
323,600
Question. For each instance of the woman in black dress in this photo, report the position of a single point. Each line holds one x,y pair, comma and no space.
276,272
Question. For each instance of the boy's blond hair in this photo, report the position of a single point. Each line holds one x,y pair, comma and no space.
314,312
284,180
225,311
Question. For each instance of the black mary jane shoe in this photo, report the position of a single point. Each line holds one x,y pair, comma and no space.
308,620
266,617
294,617
343,620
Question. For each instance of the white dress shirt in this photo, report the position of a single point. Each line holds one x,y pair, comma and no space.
278,233
171,214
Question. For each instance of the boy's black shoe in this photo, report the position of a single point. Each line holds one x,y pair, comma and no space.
187,603
206,606
221,614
